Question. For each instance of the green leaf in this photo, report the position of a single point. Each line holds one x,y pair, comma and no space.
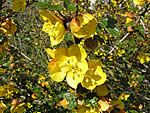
36,90
109,25
3,12
129,1
141,30
41,4
70,97
72,7
72,104
114,32
66,3
93,102
103,22
7,63
47,5
69,5
55,7
61,95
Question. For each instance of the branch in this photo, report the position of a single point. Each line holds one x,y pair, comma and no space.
140,47
144,97
146,9
116,46
22,53
127,34
77,8
61,15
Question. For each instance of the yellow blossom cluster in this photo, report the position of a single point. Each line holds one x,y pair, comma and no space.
18,107
82,26
8,27
8,90
71,63
143,57
53,25
2,107
104,105
140,2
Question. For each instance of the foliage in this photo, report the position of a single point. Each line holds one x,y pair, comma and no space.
80,56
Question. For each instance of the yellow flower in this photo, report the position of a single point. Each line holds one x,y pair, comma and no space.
34,96
8,90
64,103
29,105
68,62
85,109
83,26
120,52
128,20
138,2
2,70
124,97
143,57
18,5
114,1
2,107
8,27
4,44
129,17
19,108
104,104
94,76
53,26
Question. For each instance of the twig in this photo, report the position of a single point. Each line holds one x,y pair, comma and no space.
143,24
124,38
22,53
116,46
144,97
127,34
140,47
8,16
77,8
62,15
146,9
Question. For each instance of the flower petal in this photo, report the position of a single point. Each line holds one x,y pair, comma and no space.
58,76
101,76
77,51
48,16
50,52
94,64
83,26
88,84
83,66
73,79
61,54
57,35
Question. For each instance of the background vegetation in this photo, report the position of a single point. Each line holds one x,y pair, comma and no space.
123,35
